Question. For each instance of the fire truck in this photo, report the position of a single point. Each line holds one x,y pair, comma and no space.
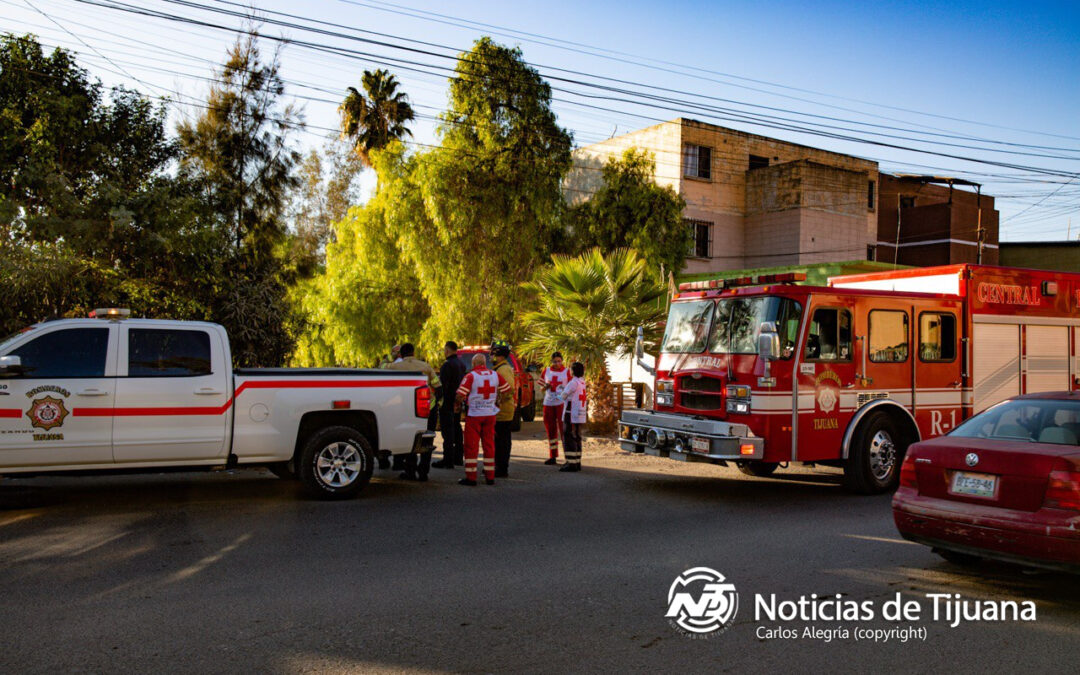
761,371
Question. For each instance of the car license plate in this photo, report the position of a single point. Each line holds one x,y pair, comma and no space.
974,484
702,445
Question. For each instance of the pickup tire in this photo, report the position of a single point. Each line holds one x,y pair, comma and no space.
515,422
877,449
335,462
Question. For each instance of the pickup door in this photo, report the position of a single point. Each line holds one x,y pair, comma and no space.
65,370
172,394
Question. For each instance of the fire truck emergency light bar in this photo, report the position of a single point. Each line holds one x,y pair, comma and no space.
717,284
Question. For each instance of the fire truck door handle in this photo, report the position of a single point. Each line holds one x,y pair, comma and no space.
850,385
955,384
92,392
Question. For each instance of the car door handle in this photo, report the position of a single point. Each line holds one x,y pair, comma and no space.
208,391
92,392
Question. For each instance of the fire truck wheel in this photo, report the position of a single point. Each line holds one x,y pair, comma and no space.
877,448
335,463
759,469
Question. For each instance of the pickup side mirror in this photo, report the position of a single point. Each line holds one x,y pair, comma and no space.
10,365
532,368
768,342
639,343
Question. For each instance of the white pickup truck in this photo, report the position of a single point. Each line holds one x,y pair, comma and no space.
112,393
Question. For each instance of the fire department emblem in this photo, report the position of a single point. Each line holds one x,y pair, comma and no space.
828,395
47,413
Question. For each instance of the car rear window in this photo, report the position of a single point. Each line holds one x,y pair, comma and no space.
1036,420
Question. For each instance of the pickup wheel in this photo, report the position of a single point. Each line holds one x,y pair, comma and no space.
759,469
335,462
515,423
877,448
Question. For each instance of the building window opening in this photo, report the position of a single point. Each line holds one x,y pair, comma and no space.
697,161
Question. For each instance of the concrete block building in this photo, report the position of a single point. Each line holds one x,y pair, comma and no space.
754,201
751,201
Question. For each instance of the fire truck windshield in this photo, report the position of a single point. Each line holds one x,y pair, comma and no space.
738,322
687,327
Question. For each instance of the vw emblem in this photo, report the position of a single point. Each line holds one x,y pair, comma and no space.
972,459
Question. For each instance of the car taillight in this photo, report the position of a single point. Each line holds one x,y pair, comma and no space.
908,477
423,401
1063,491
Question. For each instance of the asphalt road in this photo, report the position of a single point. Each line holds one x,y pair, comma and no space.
544,572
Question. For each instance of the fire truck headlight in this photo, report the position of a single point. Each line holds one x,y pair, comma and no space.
665,386
740,391
738,407
656,438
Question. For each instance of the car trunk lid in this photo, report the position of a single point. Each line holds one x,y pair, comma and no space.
1011,474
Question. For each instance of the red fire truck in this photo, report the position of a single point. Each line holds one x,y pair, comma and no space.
761,371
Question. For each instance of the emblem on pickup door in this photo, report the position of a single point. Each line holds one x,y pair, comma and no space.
47,413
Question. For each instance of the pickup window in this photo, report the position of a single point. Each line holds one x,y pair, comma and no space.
154,352
74,352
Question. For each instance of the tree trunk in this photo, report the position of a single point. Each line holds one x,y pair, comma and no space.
603,411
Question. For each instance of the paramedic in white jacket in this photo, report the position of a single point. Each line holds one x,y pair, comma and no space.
573,394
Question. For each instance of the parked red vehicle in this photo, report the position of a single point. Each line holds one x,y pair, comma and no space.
1004,485
525,395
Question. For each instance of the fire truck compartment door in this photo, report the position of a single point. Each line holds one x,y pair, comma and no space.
996,359
1047,357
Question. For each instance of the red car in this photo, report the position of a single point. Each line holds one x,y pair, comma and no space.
524,396
1004,485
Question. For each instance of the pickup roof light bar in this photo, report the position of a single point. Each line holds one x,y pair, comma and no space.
110,313
758,280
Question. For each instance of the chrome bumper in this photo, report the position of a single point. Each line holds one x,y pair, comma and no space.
673,435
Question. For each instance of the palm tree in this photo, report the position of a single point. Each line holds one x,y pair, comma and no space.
374,118
590,306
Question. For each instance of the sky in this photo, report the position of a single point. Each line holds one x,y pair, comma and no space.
987,89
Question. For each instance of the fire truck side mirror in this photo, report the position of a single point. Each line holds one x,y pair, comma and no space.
10,365
768,342
639,343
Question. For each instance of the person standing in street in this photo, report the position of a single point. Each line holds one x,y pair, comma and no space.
504,419
451,374
417,468
573,394
551,379
478,390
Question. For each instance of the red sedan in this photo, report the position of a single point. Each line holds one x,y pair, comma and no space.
1005,485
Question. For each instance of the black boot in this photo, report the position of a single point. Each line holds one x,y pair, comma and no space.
443,464
576,466
489,481
550,462
466,481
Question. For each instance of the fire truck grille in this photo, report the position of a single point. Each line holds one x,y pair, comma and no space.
704,393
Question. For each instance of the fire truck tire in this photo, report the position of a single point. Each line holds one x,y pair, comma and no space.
877,448
335,463
528,413
759,469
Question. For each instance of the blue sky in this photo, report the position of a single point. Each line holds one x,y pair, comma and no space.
992,72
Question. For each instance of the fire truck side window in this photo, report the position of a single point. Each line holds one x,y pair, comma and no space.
829,338
888,336
937,337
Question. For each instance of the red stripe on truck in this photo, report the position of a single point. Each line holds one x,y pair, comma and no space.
253,384
11,413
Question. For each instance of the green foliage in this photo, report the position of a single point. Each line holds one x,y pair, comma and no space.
487,201
631,210
90,212
376,117
442,250
328,186
589,306
239,153
368,298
